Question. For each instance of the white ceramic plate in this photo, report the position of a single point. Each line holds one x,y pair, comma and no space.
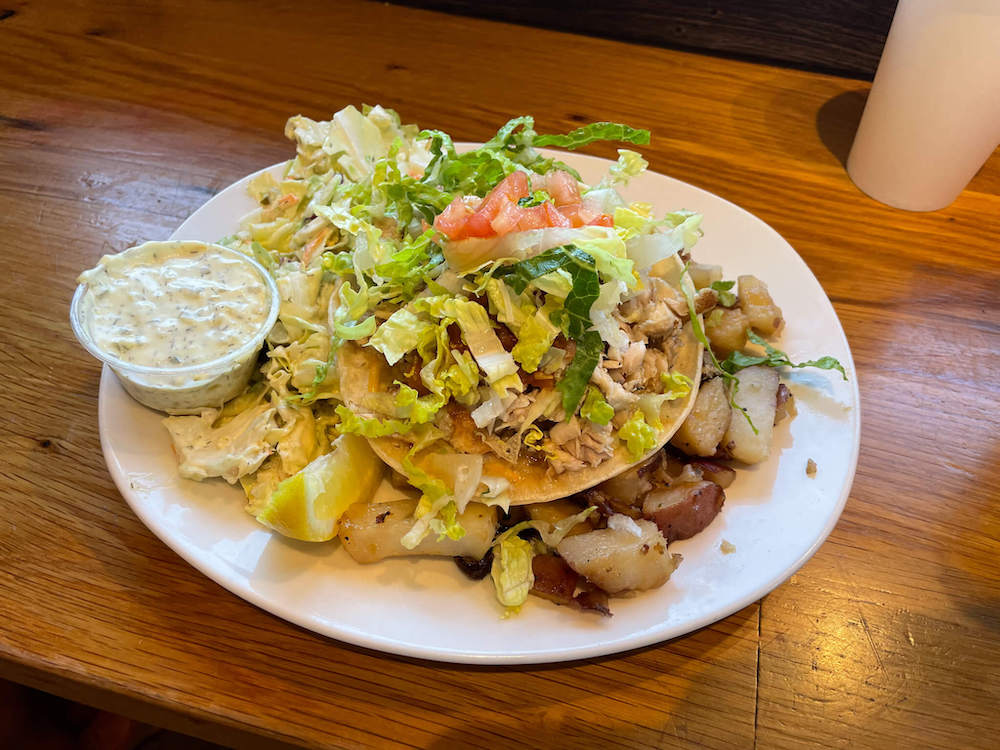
775,515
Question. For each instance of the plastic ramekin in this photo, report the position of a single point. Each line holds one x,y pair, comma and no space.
184,389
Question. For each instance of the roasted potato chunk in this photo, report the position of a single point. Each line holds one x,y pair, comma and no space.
682,510
617,559
727,330
702,274
756,303
556,510
721,474
785,403
757,395
629,486
700,433
373,532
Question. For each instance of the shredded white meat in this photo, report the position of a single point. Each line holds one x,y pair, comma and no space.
579,443
613,392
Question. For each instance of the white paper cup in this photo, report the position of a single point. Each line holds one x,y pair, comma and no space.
933,114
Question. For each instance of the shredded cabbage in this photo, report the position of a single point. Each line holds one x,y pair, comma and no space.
638,436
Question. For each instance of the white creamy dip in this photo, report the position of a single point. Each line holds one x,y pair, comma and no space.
175,304
158,311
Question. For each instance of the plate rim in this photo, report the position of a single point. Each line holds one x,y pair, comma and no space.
380,644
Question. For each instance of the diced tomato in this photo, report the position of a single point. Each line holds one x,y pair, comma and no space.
577,214
509,191
499,213
563,188
452,220
604,220
532,218
555,217
506,219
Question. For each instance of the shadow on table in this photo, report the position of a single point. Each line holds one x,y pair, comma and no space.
837,122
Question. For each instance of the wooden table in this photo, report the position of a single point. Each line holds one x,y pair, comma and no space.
117,120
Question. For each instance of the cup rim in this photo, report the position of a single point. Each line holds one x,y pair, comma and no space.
252,343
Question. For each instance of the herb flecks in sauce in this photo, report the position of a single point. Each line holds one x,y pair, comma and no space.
174,304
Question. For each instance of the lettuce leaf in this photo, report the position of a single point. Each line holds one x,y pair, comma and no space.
601,314
596,131
574,380
511,571
726,297
400,333
630,164
519,275
776,358
639,437
595,408
676,385
477,331
536,335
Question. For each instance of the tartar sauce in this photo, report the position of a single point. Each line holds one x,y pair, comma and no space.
173,306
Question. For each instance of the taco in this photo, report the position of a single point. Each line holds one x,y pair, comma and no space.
530,439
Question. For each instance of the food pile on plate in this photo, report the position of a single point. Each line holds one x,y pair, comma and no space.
479,356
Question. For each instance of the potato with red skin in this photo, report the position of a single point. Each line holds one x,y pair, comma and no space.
683,510
721,474
554,579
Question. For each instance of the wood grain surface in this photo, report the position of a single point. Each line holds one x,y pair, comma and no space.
118,119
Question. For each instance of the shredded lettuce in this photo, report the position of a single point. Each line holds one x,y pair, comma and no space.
726,297
602,318
449,484
574,381
507,305
537,198
511,571
411,411
551,533
630,164
597,131
433,499
609,253
536,335
354,331
639,437
370,427
415,408
595,408
446,524
496,362
699,333
676,384
400,333
775,358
